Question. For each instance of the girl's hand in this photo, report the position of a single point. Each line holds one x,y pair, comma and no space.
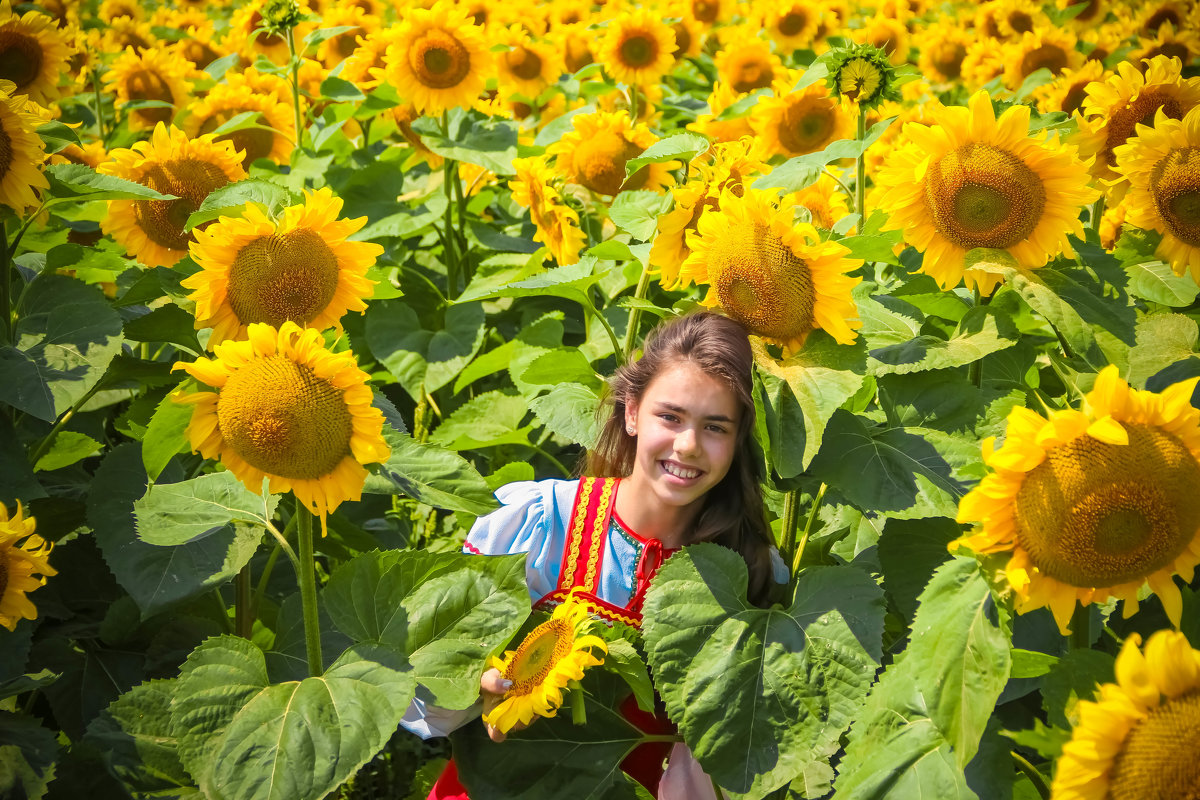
492,687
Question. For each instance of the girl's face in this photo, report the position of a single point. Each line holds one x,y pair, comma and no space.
686,425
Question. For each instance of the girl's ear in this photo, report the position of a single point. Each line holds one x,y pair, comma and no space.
631,409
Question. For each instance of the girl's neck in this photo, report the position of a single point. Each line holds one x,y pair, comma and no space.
651,519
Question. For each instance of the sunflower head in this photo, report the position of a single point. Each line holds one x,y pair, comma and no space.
595,152
862,75
795,123
638,48
24,566
440,60
279,16
551,656
21,151
1095,503
33,52
746,62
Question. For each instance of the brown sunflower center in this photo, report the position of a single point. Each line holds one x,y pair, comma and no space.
1096,514
600,163
147,84
20,58
190,180
947,59
1088,13
1049,56
750,71
524,63
577,54
256,143
1161,17
344,44
545,646
807,125
982,196
1158,760
6,153
1123,121
199,53
792,22
761,283
439,60
1020,22
683,39
705,10
284,420
1175,183
1073,100
3,570
291,276
638,50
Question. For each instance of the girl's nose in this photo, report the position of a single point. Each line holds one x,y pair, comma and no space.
685,441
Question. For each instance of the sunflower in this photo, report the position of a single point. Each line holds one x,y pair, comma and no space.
575,43
594,153
127,33
332,52
1112,225
637,48
1181,43
746,62
792,23
825,201
689,35
556,222
276,126
1015,18
440,60
713,125
19,564
1113,108
983,62
115,9
21,151
171,163
1162,165
1094,11
707,12
241,37
888,34
527,67
794,123
33,51
972,180
152,74
1067,91
649,102
551,656
199,46
1046,48
944,45
1138,739
670,250
365,67
1096,503
300,269
1154,15
774,276
92,154
288,410
1102,41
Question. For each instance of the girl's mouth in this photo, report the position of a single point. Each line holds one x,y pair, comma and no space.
680,471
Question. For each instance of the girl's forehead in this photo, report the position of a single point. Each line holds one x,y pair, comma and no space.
686,385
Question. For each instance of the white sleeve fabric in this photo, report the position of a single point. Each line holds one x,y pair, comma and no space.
427,720
779,570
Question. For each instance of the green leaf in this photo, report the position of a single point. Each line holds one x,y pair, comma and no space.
682,146
65,338
135,737
488,143
1162,340
801,171
486,420
878,469
243,738
319,35
230,200
340,90
560,365
166,435
441,478
874,248
886,320
79,181
910,551
420,359
27,755
981,331
636,212
1076,676
445,613
168,323
1061,315
760,695
624,661
927,714
801,394
179,513
1031,663
941,399
1157,282
57,136
68,448
569,411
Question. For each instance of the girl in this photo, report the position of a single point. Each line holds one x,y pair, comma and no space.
674,465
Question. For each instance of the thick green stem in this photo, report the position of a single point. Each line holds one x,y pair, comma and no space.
104,133
1081,627
975,369
791,523
306,575
295,64
578,710
808,526
618,351
635,313
243,604
860,174
1033,773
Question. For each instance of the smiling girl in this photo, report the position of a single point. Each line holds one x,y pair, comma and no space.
674,465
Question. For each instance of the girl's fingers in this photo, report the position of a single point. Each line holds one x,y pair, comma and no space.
494,683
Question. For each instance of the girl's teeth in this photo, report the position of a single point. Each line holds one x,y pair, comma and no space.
679,472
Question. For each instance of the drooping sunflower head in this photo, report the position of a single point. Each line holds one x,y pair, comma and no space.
794,123
862,75
152,74
1045,48
1162,166
774,276
154,231
1095,503
287,409
300,268
24,566
552,655
33,52
638,48
746,62
974,181
440,60
595,152
21,152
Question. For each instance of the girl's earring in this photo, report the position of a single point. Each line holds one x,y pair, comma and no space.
630,430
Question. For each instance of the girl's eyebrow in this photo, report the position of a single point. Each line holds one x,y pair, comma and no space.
682,410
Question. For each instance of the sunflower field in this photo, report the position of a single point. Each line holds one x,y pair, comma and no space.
290,288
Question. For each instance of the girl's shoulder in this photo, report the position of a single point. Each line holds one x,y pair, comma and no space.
530,512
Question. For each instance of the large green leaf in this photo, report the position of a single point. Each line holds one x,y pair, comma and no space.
1157,282
444,612
425,472
488,143
242,737
761,696
486,420
943,399
135,736
178,513
981,331
1162,340
796,173
65,338
683,146
79,181
927,714
27,755
166,435
1059,311
422,359
569,411
571,282
157,577
909,552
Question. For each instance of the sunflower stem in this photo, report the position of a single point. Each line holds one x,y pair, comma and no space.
6,286
1097,214
1033,773
243,600
294,62
44,445
461,202
222,610
104,134
306,575
633,106
578,710
975,369
791,523
1081,627
808,526
618,351
860,172
635,313
281,540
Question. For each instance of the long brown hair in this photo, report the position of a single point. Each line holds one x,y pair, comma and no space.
733,509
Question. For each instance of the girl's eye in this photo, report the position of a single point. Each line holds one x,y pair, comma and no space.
669,417
717,429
